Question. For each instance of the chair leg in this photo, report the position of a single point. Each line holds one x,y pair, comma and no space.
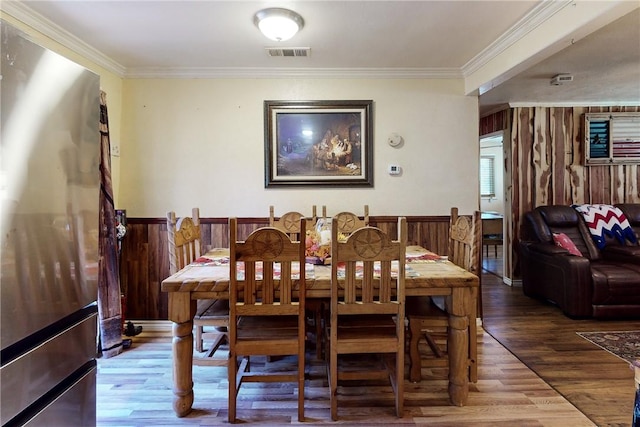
315,307
415,365
415,362
199,344
233,392
399,385
301,369
437,352
320,338
318,322
333,384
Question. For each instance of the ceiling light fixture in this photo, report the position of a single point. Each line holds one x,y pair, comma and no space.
277,23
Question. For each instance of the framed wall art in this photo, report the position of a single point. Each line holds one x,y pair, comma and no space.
318,143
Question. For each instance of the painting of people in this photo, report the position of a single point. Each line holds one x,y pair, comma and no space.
319,143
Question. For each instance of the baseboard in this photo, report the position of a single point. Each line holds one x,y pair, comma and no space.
512,282
152,325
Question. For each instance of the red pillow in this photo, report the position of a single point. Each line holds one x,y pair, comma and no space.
565,242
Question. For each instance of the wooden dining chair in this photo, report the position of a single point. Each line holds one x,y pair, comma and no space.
267,308
184,248
289,222
427,316
348,222
367,309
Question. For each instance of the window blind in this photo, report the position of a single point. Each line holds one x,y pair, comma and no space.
487,176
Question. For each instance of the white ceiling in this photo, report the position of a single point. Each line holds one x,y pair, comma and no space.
605,66
395,39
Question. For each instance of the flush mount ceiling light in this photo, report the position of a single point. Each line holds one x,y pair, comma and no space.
277,23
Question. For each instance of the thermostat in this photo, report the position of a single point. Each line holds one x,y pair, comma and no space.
394,170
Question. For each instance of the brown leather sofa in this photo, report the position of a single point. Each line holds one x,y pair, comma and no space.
632,212
601,283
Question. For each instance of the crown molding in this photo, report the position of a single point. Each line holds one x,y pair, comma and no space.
530,22
568,104
24,13
28,16
246,72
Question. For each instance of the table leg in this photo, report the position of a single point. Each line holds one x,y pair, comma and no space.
458,345
415,364
181,312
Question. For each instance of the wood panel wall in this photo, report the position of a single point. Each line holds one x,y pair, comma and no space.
145,258
544,165
494,122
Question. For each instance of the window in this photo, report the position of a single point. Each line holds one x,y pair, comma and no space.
487,176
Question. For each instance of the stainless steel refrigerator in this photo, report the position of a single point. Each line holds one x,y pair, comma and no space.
49,184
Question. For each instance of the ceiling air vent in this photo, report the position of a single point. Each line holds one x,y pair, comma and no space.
289,51
560,79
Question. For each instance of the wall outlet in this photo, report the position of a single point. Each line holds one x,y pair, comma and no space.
115,150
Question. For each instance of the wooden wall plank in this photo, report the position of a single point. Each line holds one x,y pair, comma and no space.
577,174
618,183
600,184
560,141
631,182
494,122
543,154
511,194
157,250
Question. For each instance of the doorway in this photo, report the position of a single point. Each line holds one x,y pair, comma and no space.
492,202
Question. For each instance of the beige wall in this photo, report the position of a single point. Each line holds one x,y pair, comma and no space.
200,142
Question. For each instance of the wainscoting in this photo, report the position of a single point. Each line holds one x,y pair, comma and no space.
145,258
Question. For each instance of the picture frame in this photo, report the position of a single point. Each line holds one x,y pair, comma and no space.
318,143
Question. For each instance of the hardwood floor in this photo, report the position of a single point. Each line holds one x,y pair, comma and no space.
598,383
135,387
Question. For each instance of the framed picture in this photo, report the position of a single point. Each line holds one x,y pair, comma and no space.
319,143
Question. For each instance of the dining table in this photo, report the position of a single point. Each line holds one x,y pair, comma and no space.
426,273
